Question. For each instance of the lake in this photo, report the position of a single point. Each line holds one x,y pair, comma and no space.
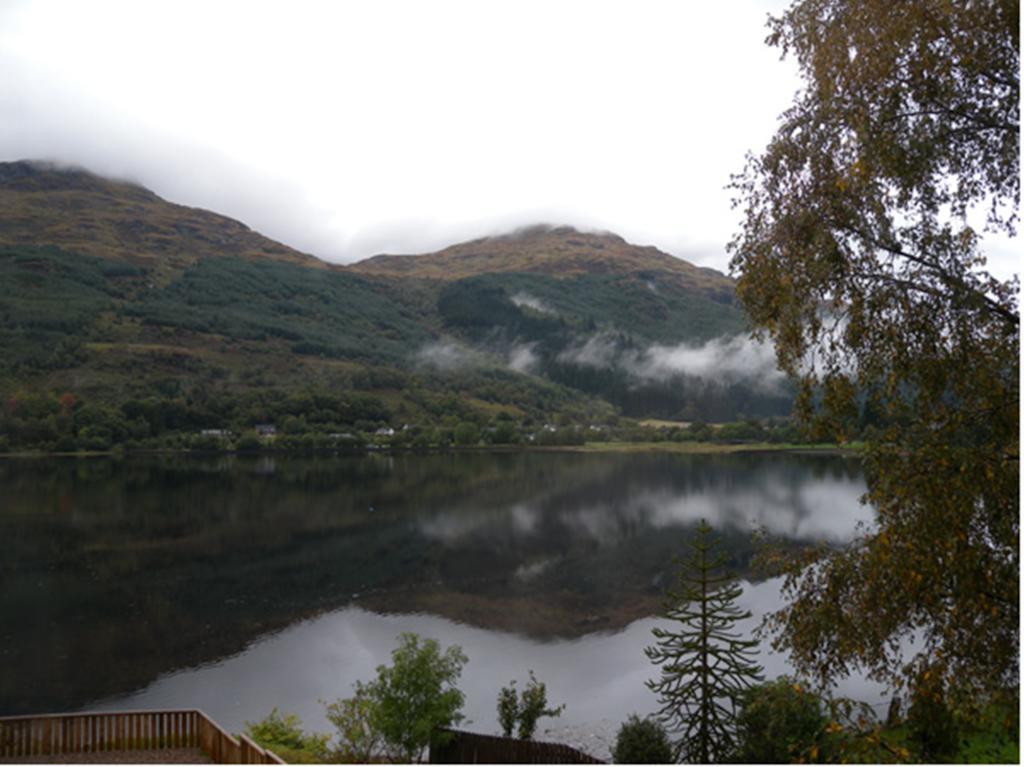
236,584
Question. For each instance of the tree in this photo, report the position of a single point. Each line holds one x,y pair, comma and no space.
355,719
641,741
531,705
467,433
858,258
780,722
705,665
416,694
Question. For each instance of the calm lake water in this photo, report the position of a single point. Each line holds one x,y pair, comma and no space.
238,584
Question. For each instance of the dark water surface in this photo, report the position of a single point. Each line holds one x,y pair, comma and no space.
237,584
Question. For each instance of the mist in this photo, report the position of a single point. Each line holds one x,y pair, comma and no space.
736,359
740,358
447,356
523,359
522,298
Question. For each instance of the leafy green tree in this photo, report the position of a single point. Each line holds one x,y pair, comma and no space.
358,731
466,433
416,694
504,433
508,709
283,734
530,706
859,259
780,722
705,666
641,741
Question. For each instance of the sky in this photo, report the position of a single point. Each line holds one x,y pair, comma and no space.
348,129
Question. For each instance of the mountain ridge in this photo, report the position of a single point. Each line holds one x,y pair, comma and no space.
555,250
85,212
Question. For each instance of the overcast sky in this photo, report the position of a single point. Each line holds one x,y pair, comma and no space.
347,129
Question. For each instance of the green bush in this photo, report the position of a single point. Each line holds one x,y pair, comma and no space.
699,432
531,705
283,735
779,721
931,727
248,442
641,741
508,709
467,433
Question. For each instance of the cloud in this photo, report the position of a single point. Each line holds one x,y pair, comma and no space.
598,351
447,356
728,359
799,507
450,356
522,298
523,359
360,136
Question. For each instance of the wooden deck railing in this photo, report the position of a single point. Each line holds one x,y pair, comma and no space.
51,734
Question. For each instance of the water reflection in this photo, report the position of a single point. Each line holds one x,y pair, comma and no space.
799,505
117,573
599,676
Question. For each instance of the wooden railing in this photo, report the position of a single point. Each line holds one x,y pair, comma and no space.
52,734
459,747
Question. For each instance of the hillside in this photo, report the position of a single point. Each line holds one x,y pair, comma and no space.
167,319
87,214
553,251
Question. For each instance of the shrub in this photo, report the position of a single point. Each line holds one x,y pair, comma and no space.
283,735
248,442
531,705
779,721
466,433
508,709
642,741
931,727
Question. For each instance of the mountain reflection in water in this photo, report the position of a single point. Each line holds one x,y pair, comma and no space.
121,572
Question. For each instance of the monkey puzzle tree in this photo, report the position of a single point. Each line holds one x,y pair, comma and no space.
858,257
705,665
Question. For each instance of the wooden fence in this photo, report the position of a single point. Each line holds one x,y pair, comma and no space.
52,734
471,748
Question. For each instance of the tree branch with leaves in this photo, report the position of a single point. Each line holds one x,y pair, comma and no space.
861,258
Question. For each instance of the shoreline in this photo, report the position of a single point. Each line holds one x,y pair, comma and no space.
679,448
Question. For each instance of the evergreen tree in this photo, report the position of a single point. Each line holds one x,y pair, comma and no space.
705,664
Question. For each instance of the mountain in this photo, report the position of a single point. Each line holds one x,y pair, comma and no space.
169,319
554,251
42,203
